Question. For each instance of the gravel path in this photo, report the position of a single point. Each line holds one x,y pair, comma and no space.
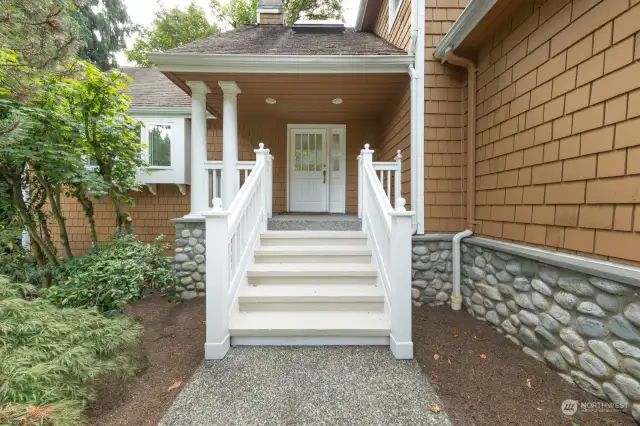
306,385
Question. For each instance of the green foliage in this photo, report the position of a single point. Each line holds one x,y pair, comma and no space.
244,12
171,28
103,26
37,36
112,274
49,358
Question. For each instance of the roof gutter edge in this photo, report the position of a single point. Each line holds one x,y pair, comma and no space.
199,62
466,22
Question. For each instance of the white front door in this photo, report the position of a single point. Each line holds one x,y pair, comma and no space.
309,186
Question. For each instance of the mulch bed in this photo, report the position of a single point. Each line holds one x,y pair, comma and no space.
494,390
173,345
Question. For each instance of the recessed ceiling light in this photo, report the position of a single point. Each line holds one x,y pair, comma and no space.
270,101
337,101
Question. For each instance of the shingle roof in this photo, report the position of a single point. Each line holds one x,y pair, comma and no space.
281,40
151,89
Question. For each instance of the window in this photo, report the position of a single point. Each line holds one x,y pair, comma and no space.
394,6
158,140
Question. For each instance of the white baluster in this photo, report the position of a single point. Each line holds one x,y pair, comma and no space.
217,282
389,185
397,191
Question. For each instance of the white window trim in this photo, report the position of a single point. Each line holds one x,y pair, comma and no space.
393,14
144,139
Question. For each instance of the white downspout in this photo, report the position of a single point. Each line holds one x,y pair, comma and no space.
456,299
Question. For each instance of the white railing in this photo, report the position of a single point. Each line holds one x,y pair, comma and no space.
232,237
214,176
390,171
389,233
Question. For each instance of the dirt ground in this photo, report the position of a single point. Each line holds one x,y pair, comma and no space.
173,345
507,387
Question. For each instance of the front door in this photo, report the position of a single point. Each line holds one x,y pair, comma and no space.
309,186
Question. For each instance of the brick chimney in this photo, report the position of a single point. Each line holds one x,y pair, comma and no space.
270,12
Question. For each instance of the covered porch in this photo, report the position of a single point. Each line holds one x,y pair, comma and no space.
314,126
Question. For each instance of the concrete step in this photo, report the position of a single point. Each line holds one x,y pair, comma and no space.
313,254
310,324
312,273
313,238
311,298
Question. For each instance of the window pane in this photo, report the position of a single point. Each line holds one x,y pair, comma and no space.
335,153
298,151
159,144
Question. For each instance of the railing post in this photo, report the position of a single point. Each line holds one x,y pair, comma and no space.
262,157
217,282
397,190
366,160
400,280
270,186
360,186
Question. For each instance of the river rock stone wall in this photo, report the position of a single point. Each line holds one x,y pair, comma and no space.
432,270
189,259
584,327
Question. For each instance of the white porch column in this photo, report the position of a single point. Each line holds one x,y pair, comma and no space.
199,189
230,179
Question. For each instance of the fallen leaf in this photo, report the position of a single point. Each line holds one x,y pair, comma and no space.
529,382
449,362
436,409
434,374
455,334
436,356
203,322
483,356
175,385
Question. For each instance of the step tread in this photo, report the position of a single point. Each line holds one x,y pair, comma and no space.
312,234
312,250
317,269
310,293
316,322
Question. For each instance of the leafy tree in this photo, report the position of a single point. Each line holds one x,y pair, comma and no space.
171,28
37,36
243,12
103,24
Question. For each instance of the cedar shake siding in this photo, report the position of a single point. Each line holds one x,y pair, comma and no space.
558,125
444,109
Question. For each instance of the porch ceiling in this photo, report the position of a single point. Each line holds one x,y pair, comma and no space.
303,97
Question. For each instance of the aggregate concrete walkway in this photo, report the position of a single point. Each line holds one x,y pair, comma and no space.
306,386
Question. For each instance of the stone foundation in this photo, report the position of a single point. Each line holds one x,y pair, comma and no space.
583,325
432,270
189,260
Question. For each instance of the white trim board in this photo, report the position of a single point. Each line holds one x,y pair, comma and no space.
328,127
282,64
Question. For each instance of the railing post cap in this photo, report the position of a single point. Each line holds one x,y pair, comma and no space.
217,204
400,203
261,149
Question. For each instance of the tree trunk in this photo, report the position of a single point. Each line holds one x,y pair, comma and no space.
87,207
46,250
123,221
54,202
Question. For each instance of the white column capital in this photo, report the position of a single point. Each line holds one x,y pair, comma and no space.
229,88
198,87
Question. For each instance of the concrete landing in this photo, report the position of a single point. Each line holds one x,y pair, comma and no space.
306,386
302,222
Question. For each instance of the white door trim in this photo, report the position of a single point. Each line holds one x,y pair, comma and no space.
343,169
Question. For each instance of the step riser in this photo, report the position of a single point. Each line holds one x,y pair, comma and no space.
337,280
310,306
313,259
308,333
310,341
312,242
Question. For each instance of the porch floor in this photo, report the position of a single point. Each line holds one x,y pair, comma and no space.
306,385
314,222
